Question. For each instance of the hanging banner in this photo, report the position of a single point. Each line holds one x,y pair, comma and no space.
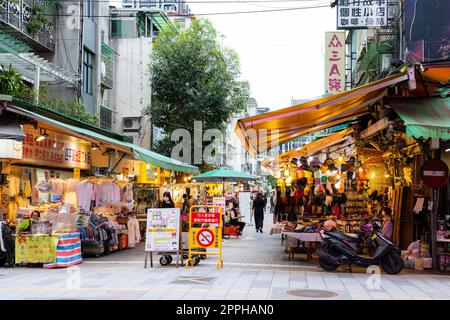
334,62
36,248
163,230
10,149
362,14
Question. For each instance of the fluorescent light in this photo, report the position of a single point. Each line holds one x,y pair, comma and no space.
43,135
447,150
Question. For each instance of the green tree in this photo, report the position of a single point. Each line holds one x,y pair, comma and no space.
193,79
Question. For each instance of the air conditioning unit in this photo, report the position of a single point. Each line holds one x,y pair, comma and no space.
386,61
131,124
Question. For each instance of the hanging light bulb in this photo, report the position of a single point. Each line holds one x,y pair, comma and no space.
42,135
338,185
148,166
94,146
286,172
360,169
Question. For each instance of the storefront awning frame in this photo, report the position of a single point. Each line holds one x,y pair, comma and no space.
312,116
134,151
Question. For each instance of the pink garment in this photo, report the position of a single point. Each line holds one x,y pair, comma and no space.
108,193
134,234
57,186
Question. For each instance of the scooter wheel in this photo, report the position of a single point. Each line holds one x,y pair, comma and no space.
170,259
392,263
203,256
196,260
164,261
326,265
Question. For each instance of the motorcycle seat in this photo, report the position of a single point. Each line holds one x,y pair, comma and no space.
341,236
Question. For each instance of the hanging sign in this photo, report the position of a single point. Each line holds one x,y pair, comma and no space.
36,248
362,14
76,173
219,202
10,149
163,230
334,62
55,150
434,173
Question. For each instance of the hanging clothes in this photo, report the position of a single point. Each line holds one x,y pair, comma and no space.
134,234
86,193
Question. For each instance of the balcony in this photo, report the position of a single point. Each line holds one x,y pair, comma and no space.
18,18
107,66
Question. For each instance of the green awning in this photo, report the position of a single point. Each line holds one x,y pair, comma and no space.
427,117
137,152
224,175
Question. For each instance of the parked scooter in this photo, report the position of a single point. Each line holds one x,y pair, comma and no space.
338,248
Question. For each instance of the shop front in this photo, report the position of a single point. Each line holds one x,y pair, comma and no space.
69,192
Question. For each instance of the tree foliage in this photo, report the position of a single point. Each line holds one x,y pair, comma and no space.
193,79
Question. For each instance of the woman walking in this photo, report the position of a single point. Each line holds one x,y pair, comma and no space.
258,206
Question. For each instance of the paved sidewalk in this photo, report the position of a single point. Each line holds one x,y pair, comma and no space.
255,267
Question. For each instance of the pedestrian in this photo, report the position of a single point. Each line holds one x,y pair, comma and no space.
167,201
388,226
258,209
235,218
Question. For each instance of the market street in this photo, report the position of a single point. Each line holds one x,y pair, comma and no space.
255,267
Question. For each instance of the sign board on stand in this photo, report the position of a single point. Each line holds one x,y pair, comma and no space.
245,205
163,232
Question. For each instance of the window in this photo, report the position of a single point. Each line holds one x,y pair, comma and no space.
88,71
105,118
88,8
121,28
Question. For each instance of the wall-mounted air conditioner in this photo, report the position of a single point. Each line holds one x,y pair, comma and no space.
131,124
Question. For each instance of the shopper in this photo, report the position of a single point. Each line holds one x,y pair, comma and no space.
258,208
388,226
236,217
186,205
167,201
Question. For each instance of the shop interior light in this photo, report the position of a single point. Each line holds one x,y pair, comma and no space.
42,135
94,146
194,180
447,150
338,185
156,174
147,166
372,175
360,169
386,175
286,172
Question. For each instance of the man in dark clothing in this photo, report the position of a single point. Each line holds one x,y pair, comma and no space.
186,205
258,206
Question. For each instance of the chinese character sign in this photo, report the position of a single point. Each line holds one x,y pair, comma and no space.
334,62
361,14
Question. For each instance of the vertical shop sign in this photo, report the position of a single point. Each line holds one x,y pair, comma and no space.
362,14
334,62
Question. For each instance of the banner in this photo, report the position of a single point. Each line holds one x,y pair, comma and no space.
334,62
36,248
163,230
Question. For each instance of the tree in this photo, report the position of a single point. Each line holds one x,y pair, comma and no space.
193,79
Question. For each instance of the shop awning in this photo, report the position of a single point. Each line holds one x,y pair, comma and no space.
427,117
316,146
289,123
10,129
137,152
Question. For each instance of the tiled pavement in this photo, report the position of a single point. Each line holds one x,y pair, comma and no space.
255,267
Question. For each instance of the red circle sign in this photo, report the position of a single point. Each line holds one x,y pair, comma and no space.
205,238
434,173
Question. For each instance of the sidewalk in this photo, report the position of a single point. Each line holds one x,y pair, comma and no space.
255,267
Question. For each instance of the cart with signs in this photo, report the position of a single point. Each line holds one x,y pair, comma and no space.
205,232
163,235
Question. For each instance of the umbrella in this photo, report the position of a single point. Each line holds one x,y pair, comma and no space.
224,175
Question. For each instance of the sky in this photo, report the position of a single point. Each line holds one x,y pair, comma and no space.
281,53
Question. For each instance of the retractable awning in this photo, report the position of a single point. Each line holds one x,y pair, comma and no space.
316,146
427,117
136,152
261,132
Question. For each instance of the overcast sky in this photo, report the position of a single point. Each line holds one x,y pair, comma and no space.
281,52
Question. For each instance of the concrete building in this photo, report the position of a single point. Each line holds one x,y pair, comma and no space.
132,33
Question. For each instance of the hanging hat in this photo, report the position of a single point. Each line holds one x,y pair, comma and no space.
310,180
324,179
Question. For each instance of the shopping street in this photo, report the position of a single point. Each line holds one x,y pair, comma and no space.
255,268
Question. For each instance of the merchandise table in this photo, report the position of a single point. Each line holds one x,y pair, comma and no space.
302,238
53,251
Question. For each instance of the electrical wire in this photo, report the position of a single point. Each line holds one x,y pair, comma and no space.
197,14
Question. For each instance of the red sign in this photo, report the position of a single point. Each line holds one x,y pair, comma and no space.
434,173
205,217
205,238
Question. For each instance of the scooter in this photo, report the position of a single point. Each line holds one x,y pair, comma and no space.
338,248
